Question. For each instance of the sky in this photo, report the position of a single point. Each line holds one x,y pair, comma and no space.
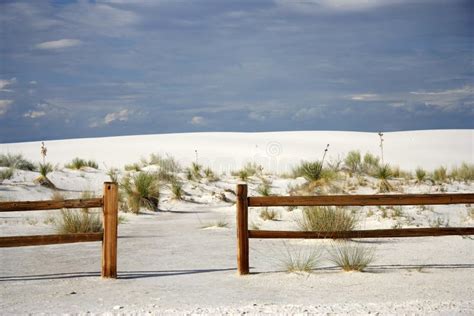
72,69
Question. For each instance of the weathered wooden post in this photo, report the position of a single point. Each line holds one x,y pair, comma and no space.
242,230
109,242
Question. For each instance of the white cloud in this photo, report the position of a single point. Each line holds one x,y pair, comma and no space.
198,120
62,43
5,83
309,113
445,99
257,116
4,105
121,116
364,97
34,114
33,82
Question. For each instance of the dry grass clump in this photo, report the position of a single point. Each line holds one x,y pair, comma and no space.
350,256
326,219
6,174
301,260
168,164
440,174
420,174
220,223
141,190
77,221
269,214
463,173
113,174
16,162
264,188
370,163
210,175
249,169
79,163
133,167
177,190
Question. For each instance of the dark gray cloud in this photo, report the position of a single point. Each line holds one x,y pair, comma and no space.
94,68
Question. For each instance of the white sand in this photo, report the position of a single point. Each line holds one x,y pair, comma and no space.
168,264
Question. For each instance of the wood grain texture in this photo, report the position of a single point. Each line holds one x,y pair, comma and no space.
242,230
22,206
363,200
375,233
37,240
109,243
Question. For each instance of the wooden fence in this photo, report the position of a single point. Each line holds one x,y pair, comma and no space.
244,202
109,205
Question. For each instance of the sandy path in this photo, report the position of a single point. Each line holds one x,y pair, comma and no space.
168,264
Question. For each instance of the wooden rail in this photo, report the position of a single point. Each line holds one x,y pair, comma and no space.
109,205
244,202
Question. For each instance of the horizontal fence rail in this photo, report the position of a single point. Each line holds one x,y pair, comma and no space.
363,200
36,240
244,202
109,205
26,206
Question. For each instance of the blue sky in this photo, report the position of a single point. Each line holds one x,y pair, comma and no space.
115,67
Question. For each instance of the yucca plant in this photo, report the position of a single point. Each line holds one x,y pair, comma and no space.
326,219
353,161
311,171
264,189
351,257
44,169
141,190
384,173
269,214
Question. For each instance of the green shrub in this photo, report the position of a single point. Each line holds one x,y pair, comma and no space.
79,163
210,175
45,168
353,161
177,190
243,175
264,189
6,174
250,169
77,221
440,174
420,174
351,257
311,171
16,162
370,163
384,173
133,167
113,174
141,190
326,219
168,163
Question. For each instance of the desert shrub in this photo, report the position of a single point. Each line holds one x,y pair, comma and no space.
141,190
133,167
353,161
264,189
370,163
248,170
384,173
298,260
326,219
77,221
210,175
440,174
45,168
351,257
311,171
220,223
113,174
177,190
168,163
243,175
420,174
17,162
6,174
79,163
196,170
335,164
269,214
464,173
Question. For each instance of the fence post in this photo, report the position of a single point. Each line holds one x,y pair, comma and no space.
109,243
242,230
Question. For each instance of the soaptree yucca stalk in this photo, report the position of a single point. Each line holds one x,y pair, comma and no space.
141,190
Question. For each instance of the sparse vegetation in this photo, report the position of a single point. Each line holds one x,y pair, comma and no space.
177,190
311,171
113,174
141,190
250,169
299,260
420,174
79,163
326,219
370,163
440,174
269,214
384,173
6,174
210,175
463,173
353,161
44,169
168,163
77,221
221,223
16,162
351,257
264,189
